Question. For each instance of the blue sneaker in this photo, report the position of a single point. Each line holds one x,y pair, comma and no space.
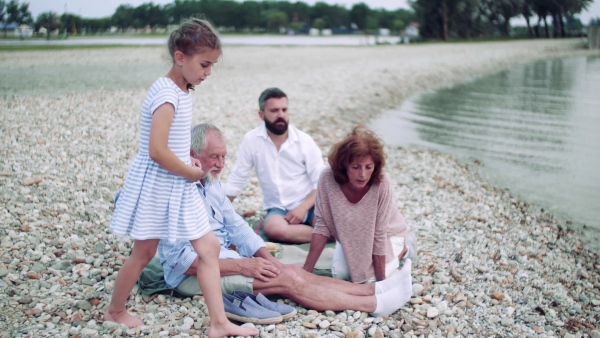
248,311
285,310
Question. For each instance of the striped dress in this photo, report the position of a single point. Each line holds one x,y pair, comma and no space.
155,203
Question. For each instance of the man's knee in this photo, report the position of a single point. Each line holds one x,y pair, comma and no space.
292,279
276,227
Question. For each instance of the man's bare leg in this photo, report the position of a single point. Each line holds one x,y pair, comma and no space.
325,294
277,228
334,283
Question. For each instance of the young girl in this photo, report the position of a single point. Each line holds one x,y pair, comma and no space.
159,200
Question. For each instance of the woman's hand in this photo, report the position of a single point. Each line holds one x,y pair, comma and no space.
317,243
379,267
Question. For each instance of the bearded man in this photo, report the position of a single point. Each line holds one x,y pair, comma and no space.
287,162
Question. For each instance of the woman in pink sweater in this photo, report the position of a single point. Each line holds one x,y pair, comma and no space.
355,206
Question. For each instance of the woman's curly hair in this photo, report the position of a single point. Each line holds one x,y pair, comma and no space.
360,143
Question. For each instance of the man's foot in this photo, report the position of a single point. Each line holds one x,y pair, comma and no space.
230,329
394,279
122,317
391,300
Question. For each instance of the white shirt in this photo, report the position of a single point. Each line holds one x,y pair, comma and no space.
286,176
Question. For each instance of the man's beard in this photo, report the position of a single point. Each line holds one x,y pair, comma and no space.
277,129
209,177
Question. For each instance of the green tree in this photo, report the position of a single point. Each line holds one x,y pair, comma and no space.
72,23
149,14
445,19
359,14
372,23
541,8
397,26
250,15
18,13
275,19
499,13
574,26
527,12
97,25
319,23
332,15
301,16
123,17
48,20
572,8
3,14
430,14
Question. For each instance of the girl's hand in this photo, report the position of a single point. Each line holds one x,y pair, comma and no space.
196,162
197,173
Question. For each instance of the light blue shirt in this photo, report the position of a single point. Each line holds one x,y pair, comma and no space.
176,257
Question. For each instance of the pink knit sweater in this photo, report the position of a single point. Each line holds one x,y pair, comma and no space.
363,228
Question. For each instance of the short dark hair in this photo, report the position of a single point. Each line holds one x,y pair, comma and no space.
267,94
361,142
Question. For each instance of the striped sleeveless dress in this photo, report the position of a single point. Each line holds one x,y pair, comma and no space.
155,203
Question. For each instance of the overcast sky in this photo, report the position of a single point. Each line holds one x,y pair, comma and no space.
104,8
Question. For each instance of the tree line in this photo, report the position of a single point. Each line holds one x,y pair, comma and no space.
445,19
12,11
234,16
438,19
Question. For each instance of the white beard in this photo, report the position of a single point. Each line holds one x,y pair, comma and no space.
209,177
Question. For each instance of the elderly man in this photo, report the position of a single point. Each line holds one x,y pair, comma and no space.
253,269
287,162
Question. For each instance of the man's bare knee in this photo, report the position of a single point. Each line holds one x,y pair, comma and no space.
292,281
275,227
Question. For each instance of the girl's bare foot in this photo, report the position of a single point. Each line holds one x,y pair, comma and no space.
122,317
230,329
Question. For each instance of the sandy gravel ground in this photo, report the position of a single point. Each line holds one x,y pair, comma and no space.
489,263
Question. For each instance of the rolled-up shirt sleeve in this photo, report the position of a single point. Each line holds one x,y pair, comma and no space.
240,233
176,257
241,169
314,162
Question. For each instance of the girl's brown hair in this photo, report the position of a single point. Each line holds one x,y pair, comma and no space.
361,142
192,36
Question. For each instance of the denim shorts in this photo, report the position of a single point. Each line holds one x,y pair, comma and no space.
310,214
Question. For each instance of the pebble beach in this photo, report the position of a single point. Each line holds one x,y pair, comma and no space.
490,264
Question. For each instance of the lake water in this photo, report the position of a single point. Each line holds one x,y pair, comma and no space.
535,128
